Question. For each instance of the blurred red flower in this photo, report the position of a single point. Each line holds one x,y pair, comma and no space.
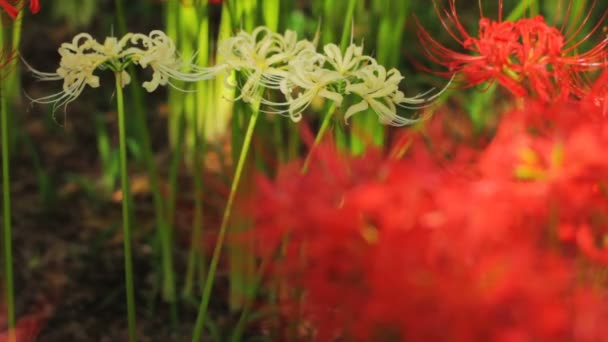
527,56
12,7
498,245
27,330
558,152
597,95
9,8
34,6
28,326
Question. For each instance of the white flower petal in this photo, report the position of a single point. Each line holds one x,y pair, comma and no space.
354,109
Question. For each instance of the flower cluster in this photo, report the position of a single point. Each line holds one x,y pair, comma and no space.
507,243
526,56
85,55
267,60
294,69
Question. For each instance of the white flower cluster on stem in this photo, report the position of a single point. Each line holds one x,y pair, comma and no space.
287,72
294,69
84,55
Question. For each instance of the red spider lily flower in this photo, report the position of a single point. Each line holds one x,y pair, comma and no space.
12,7
526,56
557,152
597,95
9,9
409,249
28,326
26,330
34,6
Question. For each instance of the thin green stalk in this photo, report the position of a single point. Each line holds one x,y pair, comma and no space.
14,80
477,108
249,12
126,210
278,138
166,231
45,186
204,106
271,10
348,25
200,320
163,227
237,333
520,10
365,123
174,96
195,254
326,120
293,142
235,271
120,17
6,201
6,206
174,170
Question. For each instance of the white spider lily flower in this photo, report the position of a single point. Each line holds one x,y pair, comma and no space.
264,57
349,63
158,51
310,82
84,55
79,60
291,48
325,75
421,100
377,90
272,61
250,54
114,52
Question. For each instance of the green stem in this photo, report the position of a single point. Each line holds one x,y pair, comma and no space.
120,17
6,201
519,11
237,333
319,137
126,210
174,170
163,226
200,320
166,231
195,253
278,139
271,10
347,27
348,24
293,142
6,209
205,104
14,80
